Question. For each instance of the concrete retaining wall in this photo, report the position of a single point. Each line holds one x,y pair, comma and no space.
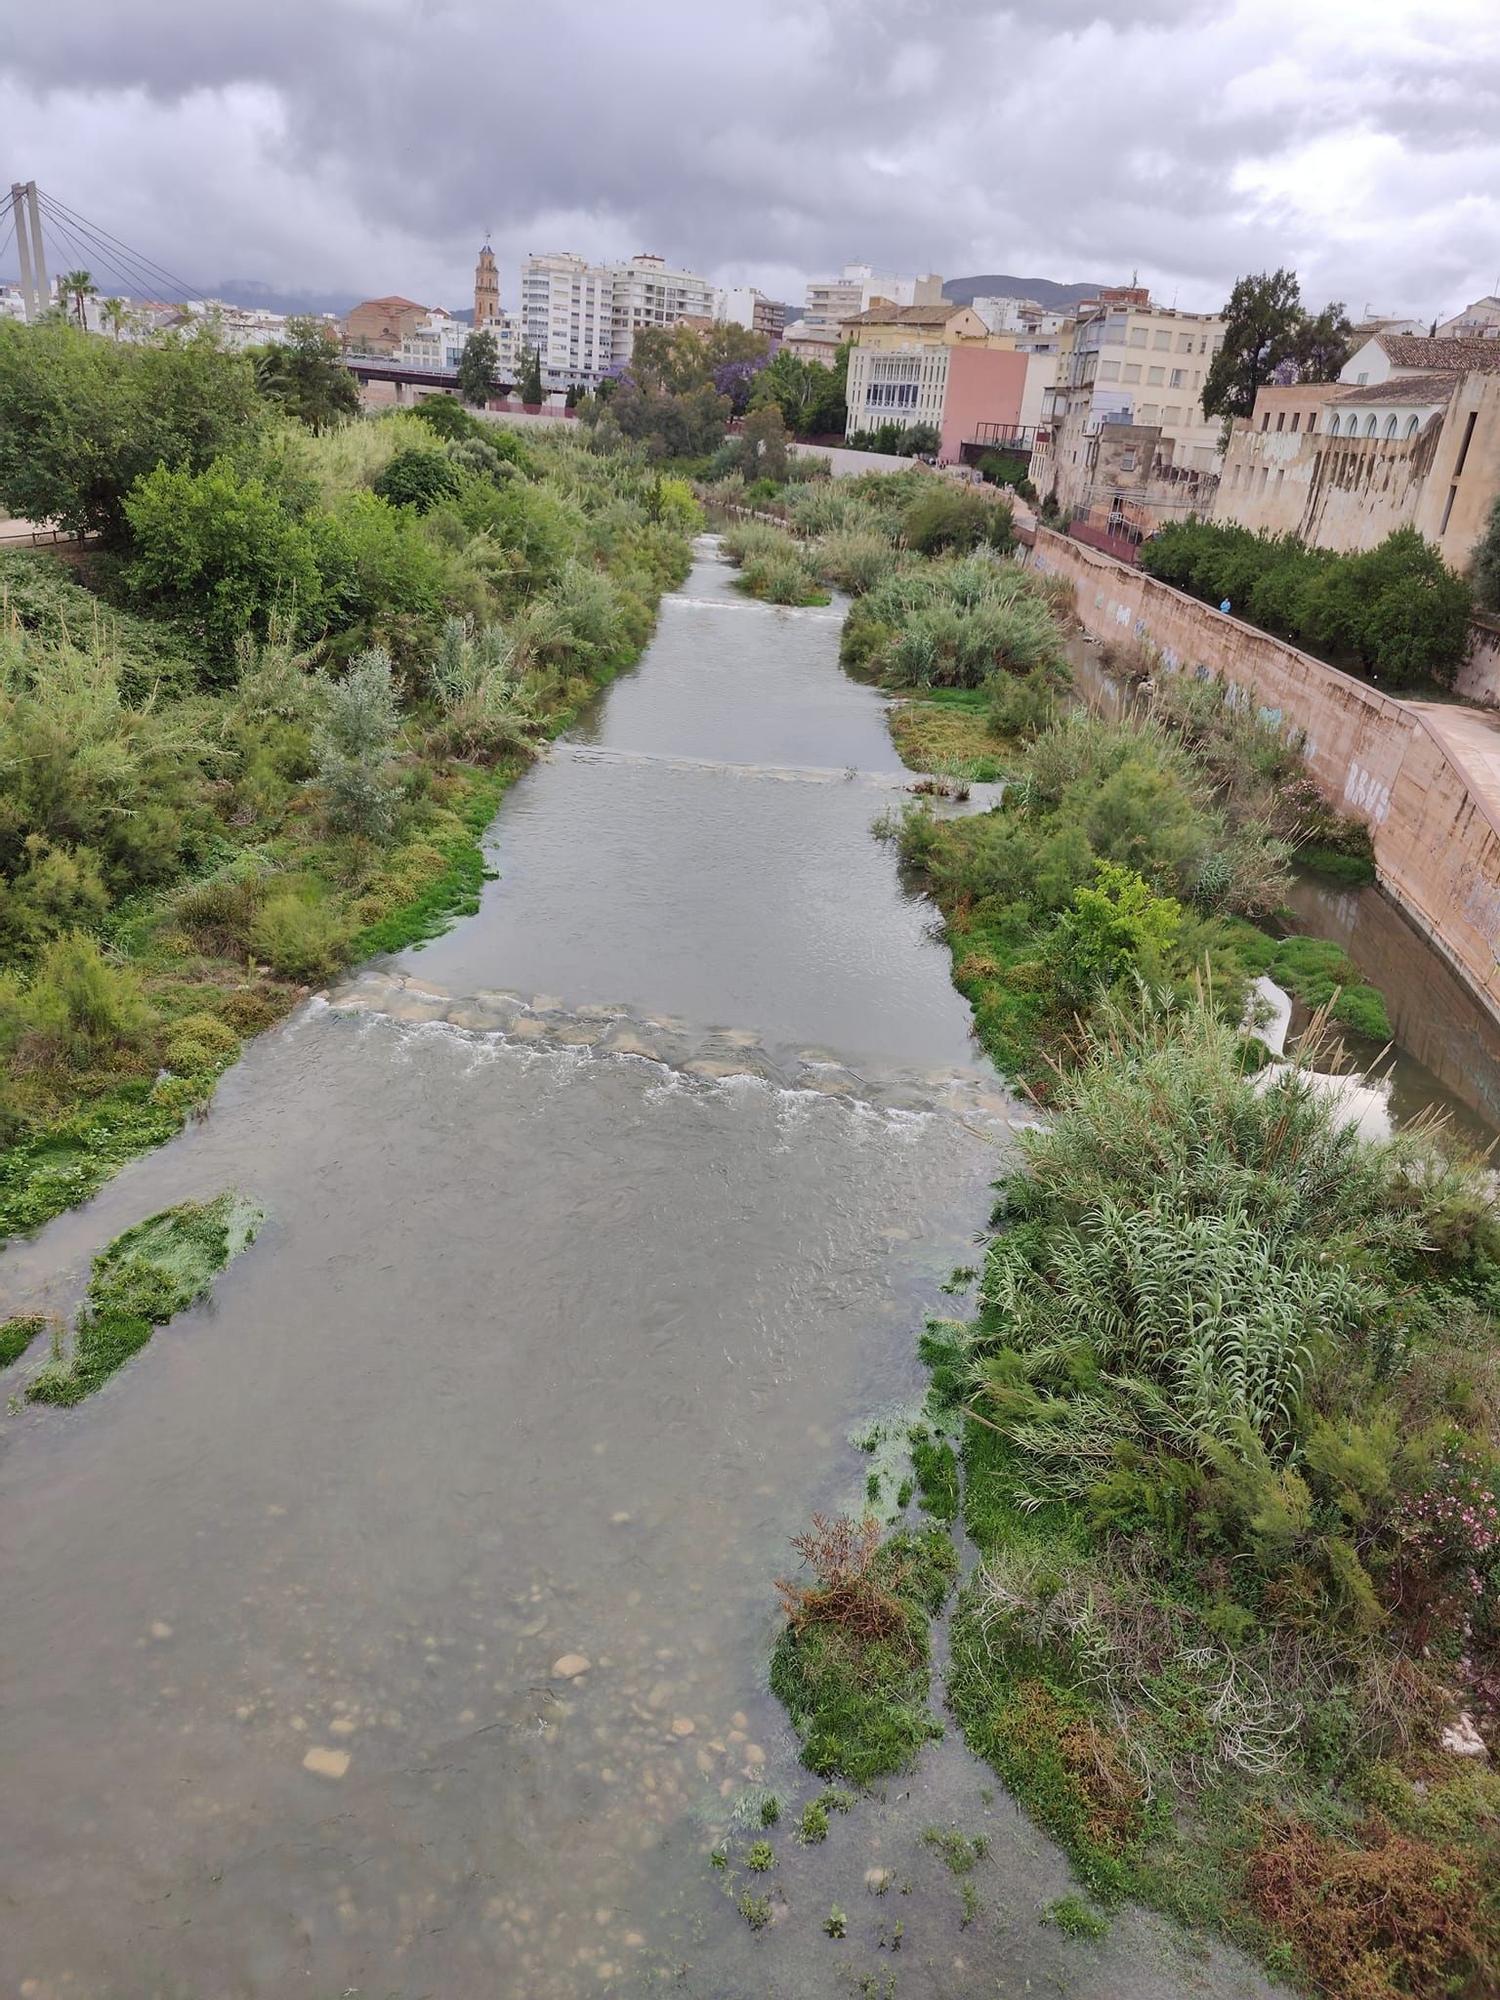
1436,835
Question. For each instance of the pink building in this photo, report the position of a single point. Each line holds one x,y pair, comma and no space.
985,387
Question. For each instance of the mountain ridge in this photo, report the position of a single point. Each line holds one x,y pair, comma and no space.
1049,292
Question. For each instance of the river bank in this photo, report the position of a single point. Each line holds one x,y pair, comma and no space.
259,855
1198,1644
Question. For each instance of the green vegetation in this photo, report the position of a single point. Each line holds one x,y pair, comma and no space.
960,1854
1230,1404
761,1857
852,1666
756,1910
1485,570
1076,1918
140,1281
770,1810
1266,327
812,1827
1396,612
17,1334
773,565
836,1923
343,642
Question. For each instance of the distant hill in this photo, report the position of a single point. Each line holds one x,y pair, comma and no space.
997,285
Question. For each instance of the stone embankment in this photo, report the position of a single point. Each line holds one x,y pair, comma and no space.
1424,777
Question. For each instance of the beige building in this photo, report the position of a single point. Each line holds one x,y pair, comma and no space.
378,326
1479,321
1132,365
898,361
1396,442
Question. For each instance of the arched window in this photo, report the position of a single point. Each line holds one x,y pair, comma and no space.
1369,427
1411,427
1390,427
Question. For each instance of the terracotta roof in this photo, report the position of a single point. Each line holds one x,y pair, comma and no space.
884,315
1434,387
1417,350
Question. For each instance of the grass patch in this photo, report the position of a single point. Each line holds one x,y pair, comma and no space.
1334,865
852,1666
1315,969
140,1281
936,1467
952,739
17,1334
1076,1919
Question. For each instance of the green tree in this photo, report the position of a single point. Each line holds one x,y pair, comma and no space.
115,313
1325,341
78,286
82,419
1261,324
223,556
530,376
1486,567
476,366
763,444
305,374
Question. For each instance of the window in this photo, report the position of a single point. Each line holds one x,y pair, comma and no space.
1147,413
1137,337
1156,376
1127,461
1109,371
1184,343
1390,427
1132,371
1172,414
1362,377
1370,426
1463,450
1281,420
1179,378
1411,427
1265,420
1297,419
1161,340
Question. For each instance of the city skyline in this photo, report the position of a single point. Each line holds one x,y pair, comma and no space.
1191,143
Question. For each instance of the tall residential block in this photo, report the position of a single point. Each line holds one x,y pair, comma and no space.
582,318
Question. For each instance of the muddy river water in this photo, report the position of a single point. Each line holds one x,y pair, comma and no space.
396,1624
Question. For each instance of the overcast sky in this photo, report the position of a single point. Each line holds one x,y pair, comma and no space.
366,145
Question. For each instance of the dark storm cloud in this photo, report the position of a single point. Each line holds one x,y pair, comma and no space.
367,142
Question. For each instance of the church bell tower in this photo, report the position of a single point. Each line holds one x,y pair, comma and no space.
486,290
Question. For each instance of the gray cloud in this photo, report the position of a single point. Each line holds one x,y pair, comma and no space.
365,144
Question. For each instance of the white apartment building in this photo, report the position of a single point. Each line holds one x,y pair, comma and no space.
439,340
582,318
1004,314
830,300
1479,321
748,306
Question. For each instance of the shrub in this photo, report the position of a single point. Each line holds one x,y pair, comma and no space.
301,940
853,558
1395,610
221,555
355,745
419,479
946,516
81,1009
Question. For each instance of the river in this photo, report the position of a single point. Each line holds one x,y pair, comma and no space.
595,1229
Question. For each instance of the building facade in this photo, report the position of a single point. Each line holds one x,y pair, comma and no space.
1344,464
744,305
378,326
582,318
933,364
833,301
1479,321
1137,366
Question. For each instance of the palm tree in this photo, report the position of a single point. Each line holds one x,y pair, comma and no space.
78,286
114,313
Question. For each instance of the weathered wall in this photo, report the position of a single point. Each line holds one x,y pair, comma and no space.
1437,839
1479,676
